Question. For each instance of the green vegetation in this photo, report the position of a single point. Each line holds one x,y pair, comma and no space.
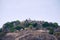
19,28
0,29
53,25
11,29
50,26
17,25
46,24
51,31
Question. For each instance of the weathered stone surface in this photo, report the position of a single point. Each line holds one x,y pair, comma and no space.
29,35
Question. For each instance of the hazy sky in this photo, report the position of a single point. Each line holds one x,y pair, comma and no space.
48,10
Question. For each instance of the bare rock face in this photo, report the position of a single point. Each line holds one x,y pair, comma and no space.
39,37
10,36
27,35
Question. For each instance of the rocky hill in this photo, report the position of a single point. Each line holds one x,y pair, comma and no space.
29,35
30,30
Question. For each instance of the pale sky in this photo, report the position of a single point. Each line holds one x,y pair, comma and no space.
47,10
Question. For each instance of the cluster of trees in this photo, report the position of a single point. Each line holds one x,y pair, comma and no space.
17,25
11,26
50,26
53,25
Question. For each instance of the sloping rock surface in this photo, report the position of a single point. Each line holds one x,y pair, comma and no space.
29,35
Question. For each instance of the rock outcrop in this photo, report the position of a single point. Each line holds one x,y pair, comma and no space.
29,35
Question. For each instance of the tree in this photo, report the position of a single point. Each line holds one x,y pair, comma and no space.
26,23
55,25
6,27
51,31
12,29
19,28
34,24
0,29
46,24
